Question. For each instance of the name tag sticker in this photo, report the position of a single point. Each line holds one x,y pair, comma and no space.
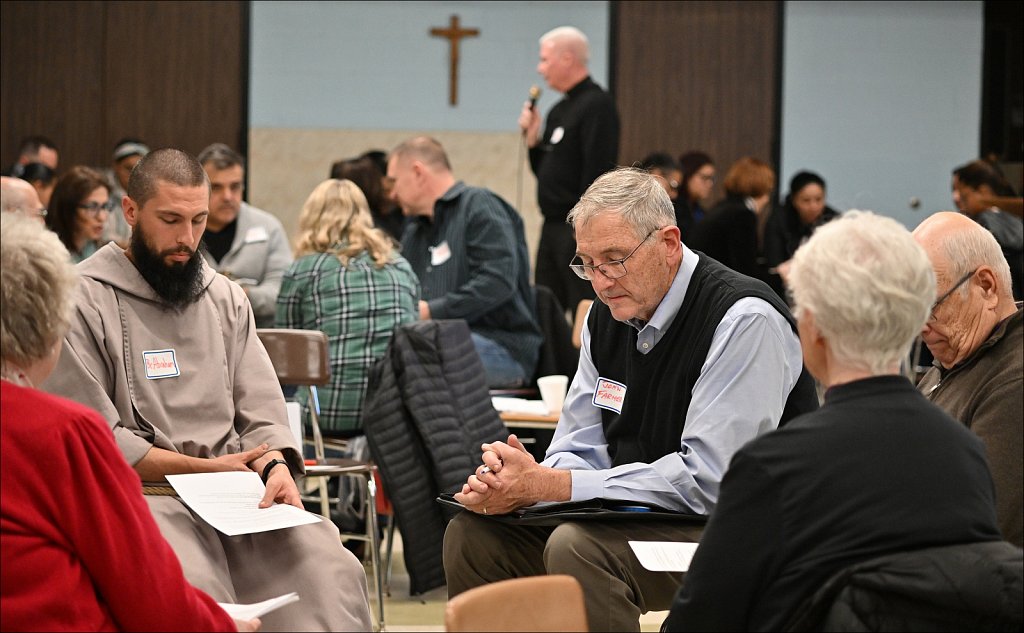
256,234
440,254
609,395
161,363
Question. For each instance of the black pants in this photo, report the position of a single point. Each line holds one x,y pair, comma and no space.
556,249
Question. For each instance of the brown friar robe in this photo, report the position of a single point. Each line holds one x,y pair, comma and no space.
198,382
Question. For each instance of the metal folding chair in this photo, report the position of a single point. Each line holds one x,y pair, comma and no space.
300,358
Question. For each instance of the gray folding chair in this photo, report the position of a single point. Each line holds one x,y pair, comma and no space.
300,358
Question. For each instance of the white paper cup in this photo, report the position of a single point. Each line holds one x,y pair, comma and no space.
552,391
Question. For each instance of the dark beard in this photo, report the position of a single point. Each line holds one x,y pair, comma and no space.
179,284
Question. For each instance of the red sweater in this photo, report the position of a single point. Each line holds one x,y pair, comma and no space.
79,549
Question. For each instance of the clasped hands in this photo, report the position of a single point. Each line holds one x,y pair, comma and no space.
510,478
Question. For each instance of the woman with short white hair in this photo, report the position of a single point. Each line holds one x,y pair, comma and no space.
80,549
876,470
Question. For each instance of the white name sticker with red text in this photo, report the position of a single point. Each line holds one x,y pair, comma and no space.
160,363
609,395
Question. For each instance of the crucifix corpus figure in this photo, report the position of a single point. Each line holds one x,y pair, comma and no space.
453,34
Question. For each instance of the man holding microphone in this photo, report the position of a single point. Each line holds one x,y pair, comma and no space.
580,142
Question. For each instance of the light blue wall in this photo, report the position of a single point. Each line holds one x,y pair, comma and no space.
883,99
373,65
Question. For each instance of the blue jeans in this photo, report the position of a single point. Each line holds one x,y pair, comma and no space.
502,370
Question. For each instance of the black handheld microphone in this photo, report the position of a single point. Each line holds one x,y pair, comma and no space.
534,95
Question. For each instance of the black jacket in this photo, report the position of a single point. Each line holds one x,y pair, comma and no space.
970,587
427,411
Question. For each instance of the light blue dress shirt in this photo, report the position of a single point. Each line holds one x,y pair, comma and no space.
752,365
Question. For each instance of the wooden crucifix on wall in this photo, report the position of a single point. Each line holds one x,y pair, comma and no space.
453,34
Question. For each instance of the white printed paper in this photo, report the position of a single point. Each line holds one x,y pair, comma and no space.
229,502
250,611
664,555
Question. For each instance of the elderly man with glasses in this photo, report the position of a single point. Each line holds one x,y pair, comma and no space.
975,335
683,361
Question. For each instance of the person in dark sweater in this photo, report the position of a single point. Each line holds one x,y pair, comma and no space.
682,362
877,470
793,223
580,142
730,232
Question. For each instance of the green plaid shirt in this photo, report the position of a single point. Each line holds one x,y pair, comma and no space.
358,306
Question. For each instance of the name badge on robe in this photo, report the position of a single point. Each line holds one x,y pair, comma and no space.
440,254
609,395
160,363
256,234
557,134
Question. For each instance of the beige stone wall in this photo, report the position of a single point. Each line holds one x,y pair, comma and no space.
286,164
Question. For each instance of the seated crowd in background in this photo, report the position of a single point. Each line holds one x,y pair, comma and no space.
463,255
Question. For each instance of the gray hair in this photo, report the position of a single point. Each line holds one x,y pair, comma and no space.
869,285
37,281
425,149
632,193
968,249
221,156
572,38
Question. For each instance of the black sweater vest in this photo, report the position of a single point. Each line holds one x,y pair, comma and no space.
660,383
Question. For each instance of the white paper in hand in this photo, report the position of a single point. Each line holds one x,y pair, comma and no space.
250,611
664,555
230,502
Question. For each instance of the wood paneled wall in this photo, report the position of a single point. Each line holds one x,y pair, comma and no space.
89,73
698,75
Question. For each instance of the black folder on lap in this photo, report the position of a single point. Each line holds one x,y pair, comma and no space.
588,510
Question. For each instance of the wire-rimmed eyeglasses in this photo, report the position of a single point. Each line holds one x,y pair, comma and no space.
948,293
611,270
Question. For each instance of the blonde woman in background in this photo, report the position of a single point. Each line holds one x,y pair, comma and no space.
349,282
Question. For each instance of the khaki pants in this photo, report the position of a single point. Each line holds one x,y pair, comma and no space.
617,589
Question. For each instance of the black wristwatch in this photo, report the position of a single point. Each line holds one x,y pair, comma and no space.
270,464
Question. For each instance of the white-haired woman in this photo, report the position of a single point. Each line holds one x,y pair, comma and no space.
876,470
80,549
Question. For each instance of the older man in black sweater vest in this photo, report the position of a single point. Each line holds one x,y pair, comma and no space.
683,361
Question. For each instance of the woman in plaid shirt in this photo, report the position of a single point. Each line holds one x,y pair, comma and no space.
349,281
